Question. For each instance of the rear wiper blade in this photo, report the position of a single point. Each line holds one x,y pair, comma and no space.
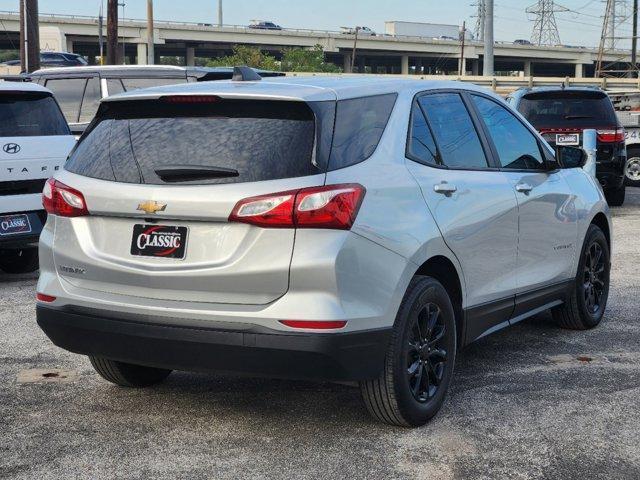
185,173
573,117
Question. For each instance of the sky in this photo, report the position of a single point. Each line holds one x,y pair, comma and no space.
579,26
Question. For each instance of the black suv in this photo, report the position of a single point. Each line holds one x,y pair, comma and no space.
561,114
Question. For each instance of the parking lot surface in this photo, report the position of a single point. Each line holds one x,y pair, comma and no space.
533,401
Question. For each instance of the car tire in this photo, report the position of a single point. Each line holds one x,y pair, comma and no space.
615,197
632,168
23,260
127,374
419,364
587,300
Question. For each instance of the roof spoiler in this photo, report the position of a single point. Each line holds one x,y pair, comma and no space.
245,74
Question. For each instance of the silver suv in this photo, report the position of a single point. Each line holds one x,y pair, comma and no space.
343,229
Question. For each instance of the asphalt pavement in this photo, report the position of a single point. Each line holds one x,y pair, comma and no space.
530,402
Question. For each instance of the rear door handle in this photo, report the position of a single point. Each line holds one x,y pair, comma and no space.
444,188
524,188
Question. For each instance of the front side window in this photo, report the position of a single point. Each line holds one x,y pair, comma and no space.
453,129
517,147
30,115
68,93
359,125
421,147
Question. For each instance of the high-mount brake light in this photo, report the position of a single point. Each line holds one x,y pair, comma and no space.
191,99
329,206
613,135
315,324
62,200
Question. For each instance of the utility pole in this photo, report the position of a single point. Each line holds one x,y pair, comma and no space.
487,67
220,22
29,36
634,41
353,53
150,42
480,19
112,32
545,28
462,38
100,36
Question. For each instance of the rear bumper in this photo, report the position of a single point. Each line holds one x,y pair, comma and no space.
28,239
610,175
336,356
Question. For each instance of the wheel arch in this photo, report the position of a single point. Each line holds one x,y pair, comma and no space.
600,220
444,270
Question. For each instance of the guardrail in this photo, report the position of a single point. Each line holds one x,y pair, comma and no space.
505,85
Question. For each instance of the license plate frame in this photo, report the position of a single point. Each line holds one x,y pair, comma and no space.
159,241
568,139
15,225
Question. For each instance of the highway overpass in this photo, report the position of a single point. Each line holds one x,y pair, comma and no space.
379,54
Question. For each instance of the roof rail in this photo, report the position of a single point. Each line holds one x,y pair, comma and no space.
245,74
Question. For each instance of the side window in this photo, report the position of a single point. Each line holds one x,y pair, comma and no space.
114,86
421,146
137,83
455,134
359,125
517,147
68,93
91,100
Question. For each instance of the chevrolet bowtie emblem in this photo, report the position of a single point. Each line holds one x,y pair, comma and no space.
152,207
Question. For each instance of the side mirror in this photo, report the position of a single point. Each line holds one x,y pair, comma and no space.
571,157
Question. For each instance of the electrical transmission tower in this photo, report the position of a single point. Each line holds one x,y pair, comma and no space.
616,19
545,29
481,12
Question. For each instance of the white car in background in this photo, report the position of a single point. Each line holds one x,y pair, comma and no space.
34,143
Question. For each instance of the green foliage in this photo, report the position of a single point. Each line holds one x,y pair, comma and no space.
244,55
293,60
171,60
301,60
6,55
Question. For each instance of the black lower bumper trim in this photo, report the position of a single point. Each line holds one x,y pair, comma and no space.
337,356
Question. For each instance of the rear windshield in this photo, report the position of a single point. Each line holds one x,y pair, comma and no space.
567,108
30,115
227,141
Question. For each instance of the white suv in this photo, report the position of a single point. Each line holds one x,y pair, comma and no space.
353,229
34,143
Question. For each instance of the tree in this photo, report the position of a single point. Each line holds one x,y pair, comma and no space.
302,60
6,55
246,56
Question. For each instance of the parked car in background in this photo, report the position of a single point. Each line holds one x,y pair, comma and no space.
80,89
34,143
521,41
562,113
264,25
348,229
56,59
362,31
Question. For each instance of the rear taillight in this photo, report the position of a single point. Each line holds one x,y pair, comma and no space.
613,135
59,199
330,206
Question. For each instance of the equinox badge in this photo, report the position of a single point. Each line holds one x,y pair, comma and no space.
152,207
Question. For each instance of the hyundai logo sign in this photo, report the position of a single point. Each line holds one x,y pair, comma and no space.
11,148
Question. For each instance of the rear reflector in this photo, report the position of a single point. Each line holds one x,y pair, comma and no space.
315,324
329,206
41,297
59,199
614,135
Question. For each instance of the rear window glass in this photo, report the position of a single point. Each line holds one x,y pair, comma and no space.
360,123
567,108
30,115
138,83
228,141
